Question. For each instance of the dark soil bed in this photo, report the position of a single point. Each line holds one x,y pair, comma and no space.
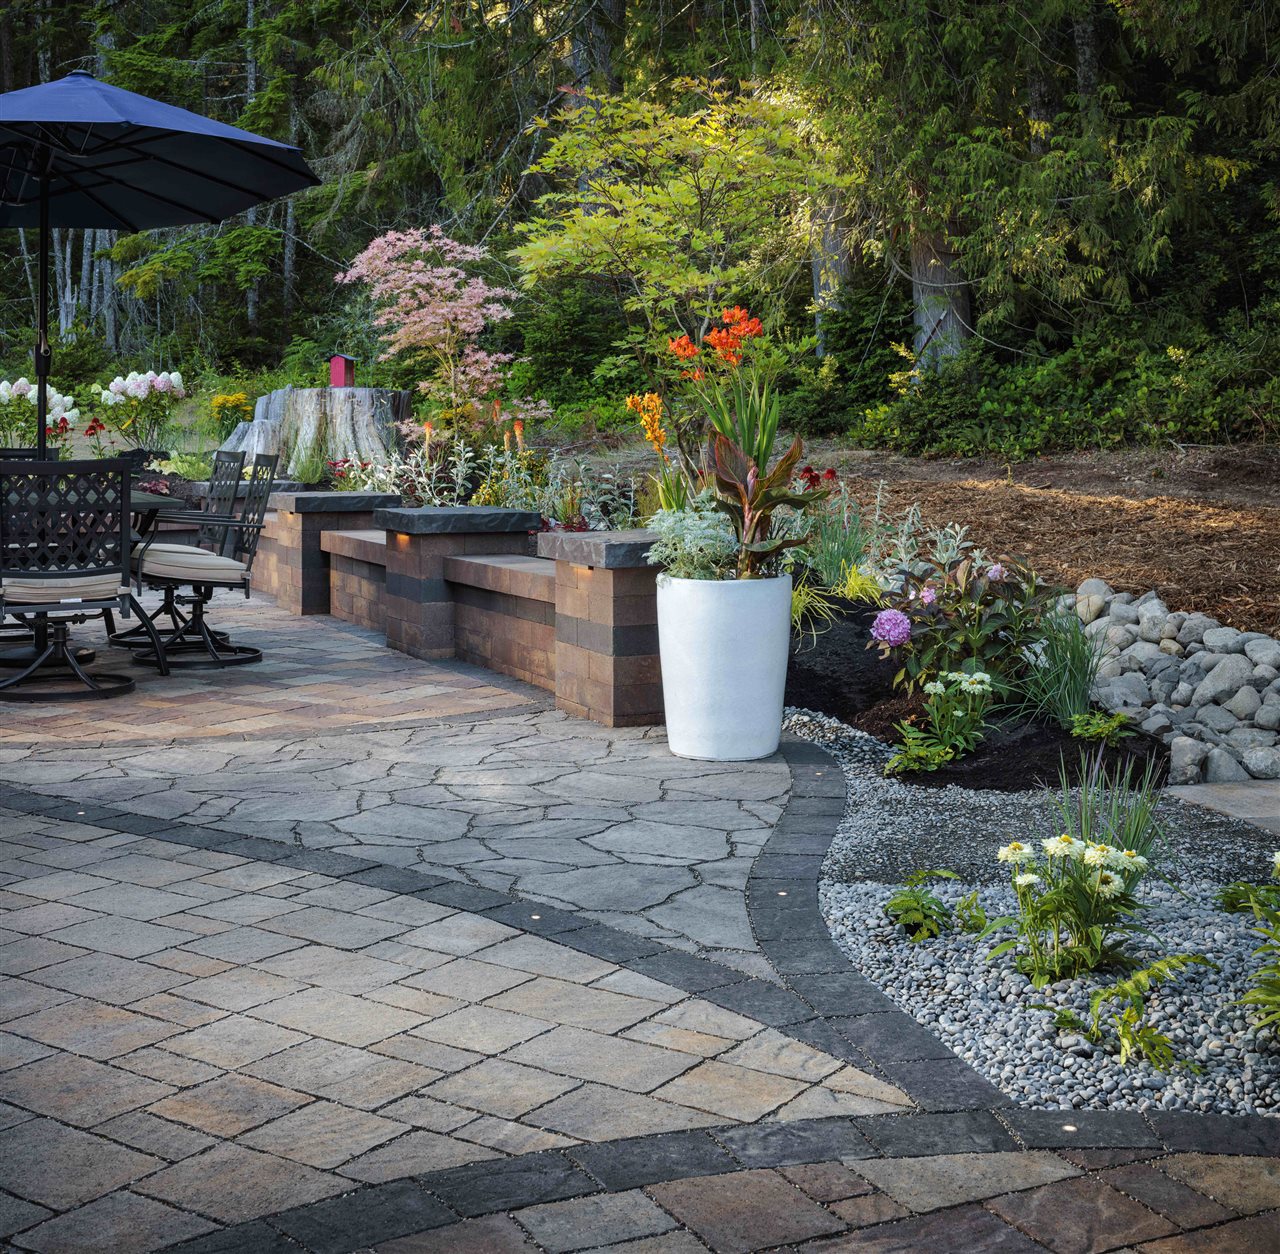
837,674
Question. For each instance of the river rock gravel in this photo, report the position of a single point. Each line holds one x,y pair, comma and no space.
986,1011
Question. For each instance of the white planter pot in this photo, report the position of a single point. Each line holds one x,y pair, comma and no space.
724,647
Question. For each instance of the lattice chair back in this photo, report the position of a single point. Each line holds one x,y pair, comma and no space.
261,478
64,521
224,479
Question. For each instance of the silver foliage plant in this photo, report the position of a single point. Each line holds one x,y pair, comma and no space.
694,543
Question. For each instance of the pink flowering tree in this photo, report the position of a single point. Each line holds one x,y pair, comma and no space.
431,310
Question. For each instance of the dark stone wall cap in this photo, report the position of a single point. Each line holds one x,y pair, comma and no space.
456,520
331,502
610,550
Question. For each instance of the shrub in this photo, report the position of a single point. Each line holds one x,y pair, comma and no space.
1099,726
988,613
1104,389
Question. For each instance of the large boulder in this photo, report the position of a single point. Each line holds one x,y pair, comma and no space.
1224,640
1185,757
1262,763
1265,652
1221,768
1234,672
1194,628
1245,704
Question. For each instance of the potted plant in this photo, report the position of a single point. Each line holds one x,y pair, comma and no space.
724,606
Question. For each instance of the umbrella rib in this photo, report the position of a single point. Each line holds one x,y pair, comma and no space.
212,178
176,204
125,223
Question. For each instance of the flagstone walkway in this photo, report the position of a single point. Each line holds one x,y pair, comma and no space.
331,971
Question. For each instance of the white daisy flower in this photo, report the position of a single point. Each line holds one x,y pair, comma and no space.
1109,885
1098,854
1063,846
934,688
1026,880
1015,852
1125,860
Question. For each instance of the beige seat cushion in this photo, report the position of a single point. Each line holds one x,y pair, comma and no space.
47,591
185,561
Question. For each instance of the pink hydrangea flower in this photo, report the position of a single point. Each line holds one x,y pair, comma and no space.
927,595
996,573
891,627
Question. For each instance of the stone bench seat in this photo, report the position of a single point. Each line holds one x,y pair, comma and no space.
532,578
367,545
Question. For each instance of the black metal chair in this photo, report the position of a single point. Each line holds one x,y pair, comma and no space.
224,480
64,558
170,567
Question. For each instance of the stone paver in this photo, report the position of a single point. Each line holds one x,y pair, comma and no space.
748,1210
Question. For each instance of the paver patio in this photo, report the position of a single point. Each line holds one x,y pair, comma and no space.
348,951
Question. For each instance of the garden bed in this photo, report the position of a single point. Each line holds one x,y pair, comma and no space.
836,673
987,1012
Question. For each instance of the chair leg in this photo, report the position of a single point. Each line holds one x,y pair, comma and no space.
148,625
58,655
195,645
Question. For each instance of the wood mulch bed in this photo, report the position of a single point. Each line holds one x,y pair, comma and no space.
1216,559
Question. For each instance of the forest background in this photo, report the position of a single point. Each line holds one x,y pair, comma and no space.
975,227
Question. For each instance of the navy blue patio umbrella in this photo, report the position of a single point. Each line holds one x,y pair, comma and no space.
80,153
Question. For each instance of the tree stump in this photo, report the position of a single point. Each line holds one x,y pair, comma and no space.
310,426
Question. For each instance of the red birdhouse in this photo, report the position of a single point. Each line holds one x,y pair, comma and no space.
342,371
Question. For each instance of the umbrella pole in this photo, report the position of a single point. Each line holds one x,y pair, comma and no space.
43,355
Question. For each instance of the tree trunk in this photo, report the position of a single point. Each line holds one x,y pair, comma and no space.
1088,55
599,29
251,91
940,296
831,264
6,50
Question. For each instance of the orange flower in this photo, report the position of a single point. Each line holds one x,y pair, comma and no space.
426,432
683,347
727,345
518,428
649,407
